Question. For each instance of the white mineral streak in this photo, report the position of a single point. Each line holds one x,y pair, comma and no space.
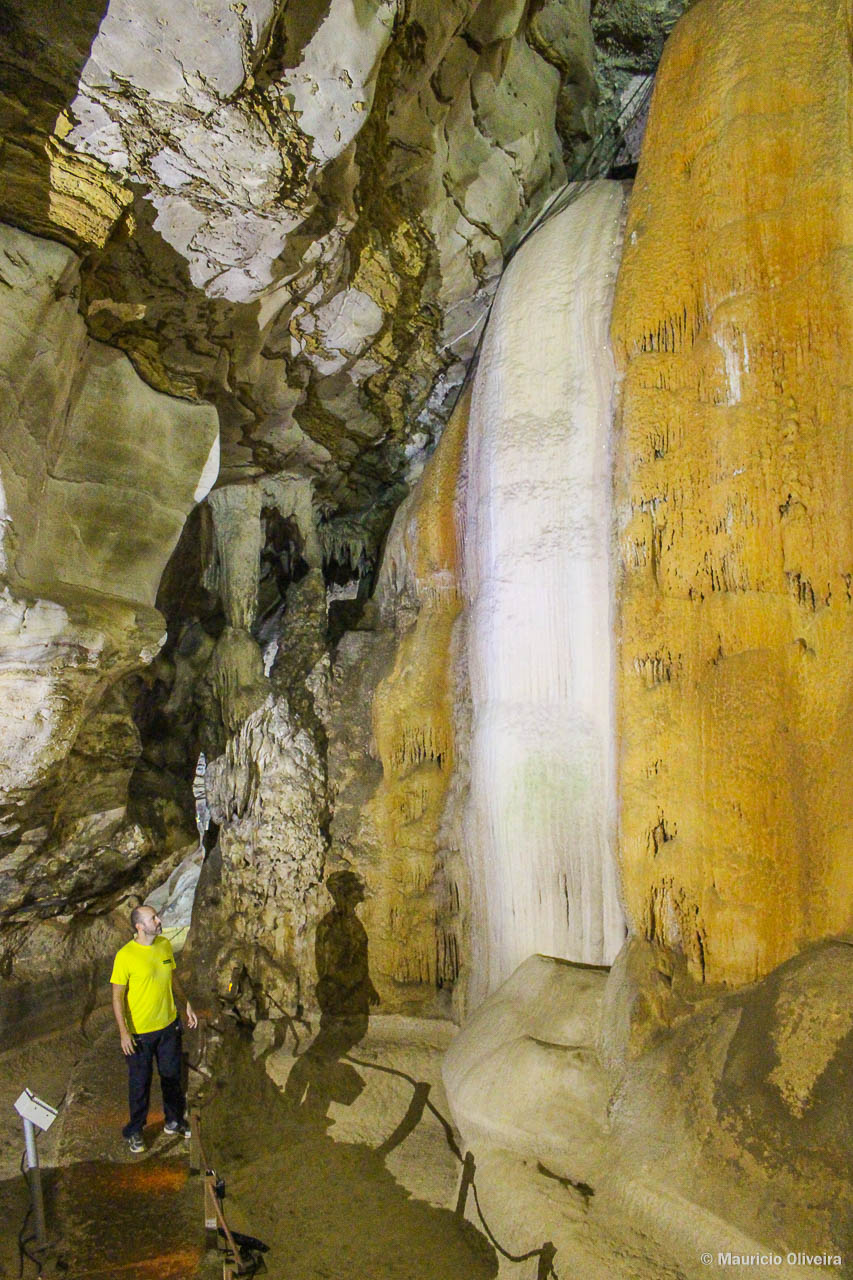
540,824
5,527
210,471
334,83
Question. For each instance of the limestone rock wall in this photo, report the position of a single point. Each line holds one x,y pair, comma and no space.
55,972
100,470
97,474
680,1120
298,212
731,332
539,827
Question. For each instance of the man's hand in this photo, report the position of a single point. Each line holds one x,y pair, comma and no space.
127,1045
192,1020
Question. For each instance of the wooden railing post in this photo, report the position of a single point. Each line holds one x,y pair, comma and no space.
195,1142
211,1223
467,1179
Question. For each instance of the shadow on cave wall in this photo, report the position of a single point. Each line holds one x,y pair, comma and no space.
43,49
345,995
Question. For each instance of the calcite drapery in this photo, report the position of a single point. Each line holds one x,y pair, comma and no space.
540,824
413,914
732,327
503,552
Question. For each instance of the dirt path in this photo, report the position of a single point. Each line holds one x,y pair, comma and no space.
334,1156
114,1216
124,1216
343,1172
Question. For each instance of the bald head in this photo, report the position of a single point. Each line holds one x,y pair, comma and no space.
145,923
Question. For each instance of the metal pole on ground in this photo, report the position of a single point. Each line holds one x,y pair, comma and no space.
35,1113
34,1179
465,1183
210,1219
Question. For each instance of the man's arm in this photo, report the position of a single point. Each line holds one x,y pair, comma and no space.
192,1020
127,1045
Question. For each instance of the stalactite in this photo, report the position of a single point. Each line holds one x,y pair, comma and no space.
233,573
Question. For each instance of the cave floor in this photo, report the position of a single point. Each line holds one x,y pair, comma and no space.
108,1213
341,1159
337,1152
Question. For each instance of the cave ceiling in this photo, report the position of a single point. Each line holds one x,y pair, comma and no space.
298,212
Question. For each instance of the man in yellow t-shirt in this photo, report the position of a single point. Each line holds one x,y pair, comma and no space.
148,1023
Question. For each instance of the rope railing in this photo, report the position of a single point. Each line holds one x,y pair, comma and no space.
597,163
243,1253
546,1252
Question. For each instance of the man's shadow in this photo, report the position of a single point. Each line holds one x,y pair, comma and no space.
345,995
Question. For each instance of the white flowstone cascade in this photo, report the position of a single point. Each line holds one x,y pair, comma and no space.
540,824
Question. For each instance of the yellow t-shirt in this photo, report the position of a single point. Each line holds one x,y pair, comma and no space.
147,974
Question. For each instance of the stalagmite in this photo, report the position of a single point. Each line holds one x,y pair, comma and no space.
540,823
267,792
732,329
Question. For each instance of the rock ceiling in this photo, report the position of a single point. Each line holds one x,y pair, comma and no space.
289,221
299,212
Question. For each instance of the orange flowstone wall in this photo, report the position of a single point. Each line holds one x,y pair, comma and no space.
732,332
407,914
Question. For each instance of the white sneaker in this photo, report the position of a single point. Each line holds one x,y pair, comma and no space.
172,1126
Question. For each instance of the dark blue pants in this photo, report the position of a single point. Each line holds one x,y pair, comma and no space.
165,1047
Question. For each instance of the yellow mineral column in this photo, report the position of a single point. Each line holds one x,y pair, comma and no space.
413,731
732,330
